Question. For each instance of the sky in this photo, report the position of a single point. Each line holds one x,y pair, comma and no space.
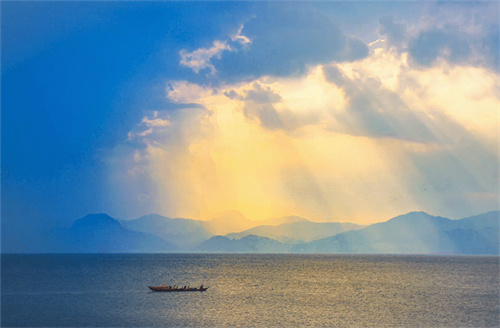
334,111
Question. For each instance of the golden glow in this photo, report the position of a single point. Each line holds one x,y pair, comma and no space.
223,158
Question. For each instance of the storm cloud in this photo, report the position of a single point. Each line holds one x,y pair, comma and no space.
284,48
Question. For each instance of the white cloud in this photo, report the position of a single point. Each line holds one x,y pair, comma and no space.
152,125
200,58
185,92
461,33
156,121
277,42
359,141
238,37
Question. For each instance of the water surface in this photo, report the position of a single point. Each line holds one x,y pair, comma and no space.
250,290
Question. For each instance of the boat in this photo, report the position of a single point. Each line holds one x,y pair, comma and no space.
166,288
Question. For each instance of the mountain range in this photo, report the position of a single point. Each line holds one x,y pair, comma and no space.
100,233
411,233
185,233
416,233
297,230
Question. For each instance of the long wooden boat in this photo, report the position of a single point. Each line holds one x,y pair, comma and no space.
165,288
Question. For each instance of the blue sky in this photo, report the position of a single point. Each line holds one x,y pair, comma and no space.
189,109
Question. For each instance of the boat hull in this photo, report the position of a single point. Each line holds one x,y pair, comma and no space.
174,290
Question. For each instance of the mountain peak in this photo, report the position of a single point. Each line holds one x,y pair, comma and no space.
229,221
415,215
153,217
415,219
96,221
285,220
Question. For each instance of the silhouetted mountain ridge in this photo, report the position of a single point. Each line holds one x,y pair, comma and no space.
298,231
411,233
99,221
228,222
415,233
186,233
285,220
100,233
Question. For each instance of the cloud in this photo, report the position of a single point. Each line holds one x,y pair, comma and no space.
199,59
260,94
148,126
276,41
396,32
457,33
238,37
285,42
155,121
259,104
489,45
373,110
358,140
265,105
447,44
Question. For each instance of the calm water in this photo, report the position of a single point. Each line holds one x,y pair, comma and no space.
250,290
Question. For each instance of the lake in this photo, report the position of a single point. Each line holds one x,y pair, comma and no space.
110,290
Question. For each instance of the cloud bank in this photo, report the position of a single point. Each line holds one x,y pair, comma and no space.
277,41
306,120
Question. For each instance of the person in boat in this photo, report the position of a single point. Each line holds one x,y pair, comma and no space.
201,287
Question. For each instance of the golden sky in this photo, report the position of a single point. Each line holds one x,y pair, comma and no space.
345,142
362,137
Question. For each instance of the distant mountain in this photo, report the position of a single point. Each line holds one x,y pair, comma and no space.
416,233
100,233
247,244
227,222
297,230
412,233
284,220
185,233
487,226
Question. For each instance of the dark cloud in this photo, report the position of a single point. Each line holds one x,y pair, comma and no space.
284,41
454,45
268,117
232,94
334,75
376,112
354,49
262,94
436,43
259,104
489,45
396,32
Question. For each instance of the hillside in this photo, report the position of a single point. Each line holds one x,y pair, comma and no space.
412,233
228,222
184,233
298,231
415,233
100,233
